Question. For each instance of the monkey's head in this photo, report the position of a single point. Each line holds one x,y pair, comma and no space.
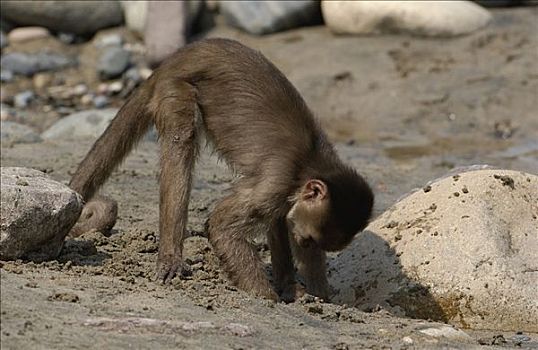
328,211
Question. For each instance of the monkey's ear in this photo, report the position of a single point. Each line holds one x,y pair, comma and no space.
314,190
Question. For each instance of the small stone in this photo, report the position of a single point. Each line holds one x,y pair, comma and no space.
22,34
23,99
133,74
41,80
80,90
6,76
113,62
427,188
115,87
145,73
446,332
100,101
67,38
87,99
109,40
407,340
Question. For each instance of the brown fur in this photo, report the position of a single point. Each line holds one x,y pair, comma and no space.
257,121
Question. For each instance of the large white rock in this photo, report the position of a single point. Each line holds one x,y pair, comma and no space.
424,18
462,250
37,214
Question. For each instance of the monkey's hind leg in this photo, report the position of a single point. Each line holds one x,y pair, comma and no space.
230,226
175,119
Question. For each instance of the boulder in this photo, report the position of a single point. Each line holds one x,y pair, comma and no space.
13,133
79,17
28,64
433,18
263,17
85,124
37,214
461,250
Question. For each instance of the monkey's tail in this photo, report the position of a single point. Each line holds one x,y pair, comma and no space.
123,133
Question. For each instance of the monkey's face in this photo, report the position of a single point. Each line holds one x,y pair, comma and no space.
309,214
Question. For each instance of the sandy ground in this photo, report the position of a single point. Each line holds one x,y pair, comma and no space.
401,110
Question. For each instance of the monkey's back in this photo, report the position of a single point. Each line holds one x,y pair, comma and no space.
252,114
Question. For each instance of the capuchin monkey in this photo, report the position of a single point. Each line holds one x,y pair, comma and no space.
292,186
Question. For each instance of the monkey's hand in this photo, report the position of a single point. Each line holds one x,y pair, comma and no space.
168,266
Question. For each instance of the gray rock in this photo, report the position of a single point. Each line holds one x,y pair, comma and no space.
23,99
29,64
13,133
433,19
3,40
113,62
461,250
79,17
37,214
134,75
86,124
100,101
263,17
6,76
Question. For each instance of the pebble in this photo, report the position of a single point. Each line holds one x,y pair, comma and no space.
100,101
23,99
113,62
41,80
115,87
80,90
67,38
28,64
87,99
133,74
109,40
6,76
22,34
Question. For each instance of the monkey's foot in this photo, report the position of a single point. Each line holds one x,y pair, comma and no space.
292,292
170,266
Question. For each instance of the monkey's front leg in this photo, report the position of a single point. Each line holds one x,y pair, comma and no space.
282,262
230,228
311,266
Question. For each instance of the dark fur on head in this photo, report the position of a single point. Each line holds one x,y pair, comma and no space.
351,207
